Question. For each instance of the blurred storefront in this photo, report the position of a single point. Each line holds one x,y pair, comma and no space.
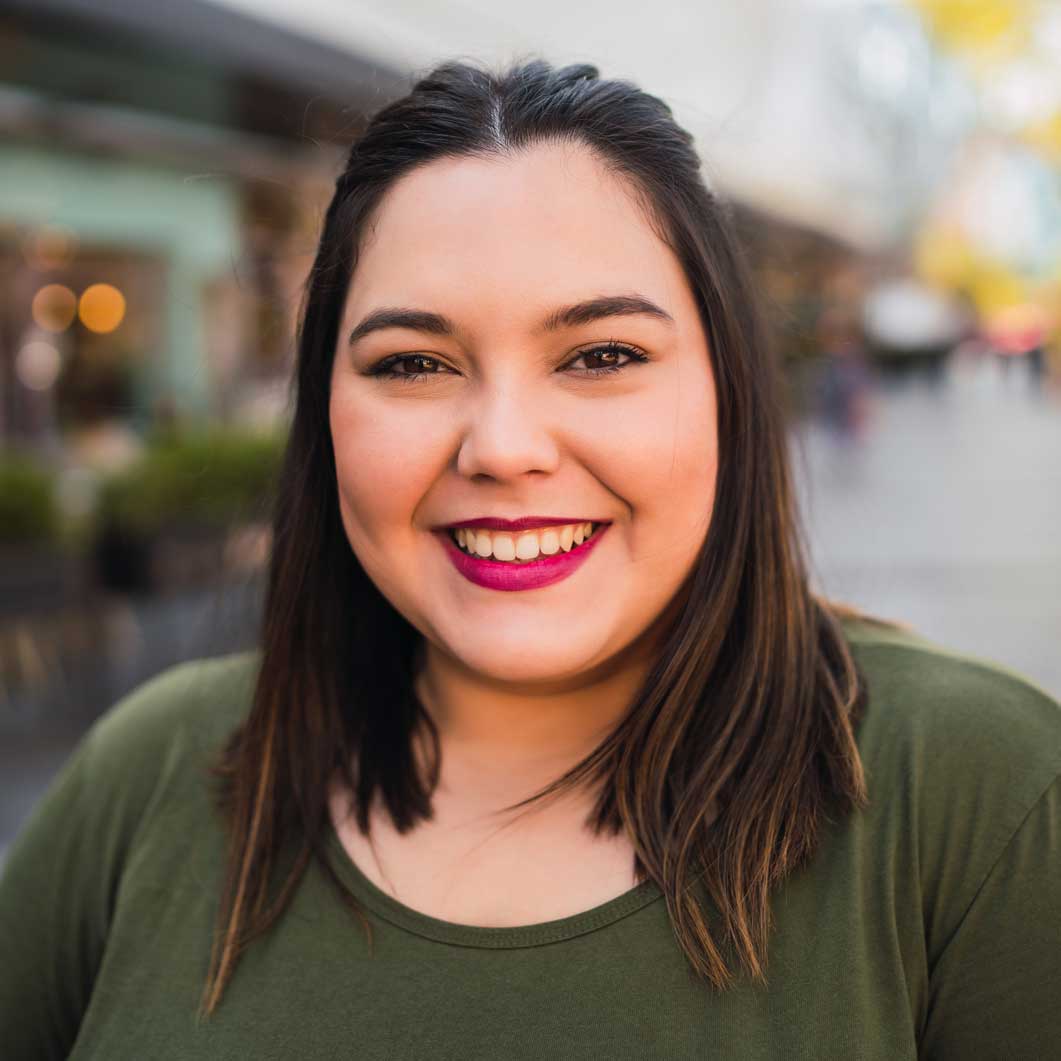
162,176
162,172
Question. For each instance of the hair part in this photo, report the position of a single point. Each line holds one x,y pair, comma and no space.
740,743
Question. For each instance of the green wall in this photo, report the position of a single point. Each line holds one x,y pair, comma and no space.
190,221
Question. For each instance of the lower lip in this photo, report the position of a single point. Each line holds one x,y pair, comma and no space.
534,574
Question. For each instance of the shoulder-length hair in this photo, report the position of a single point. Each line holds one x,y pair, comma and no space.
740,741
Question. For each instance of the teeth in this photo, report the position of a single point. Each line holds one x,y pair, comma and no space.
525,546
504,548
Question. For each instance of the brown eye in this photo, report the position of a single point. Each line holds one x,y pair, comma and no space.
604,357
419,365
607,358
407,367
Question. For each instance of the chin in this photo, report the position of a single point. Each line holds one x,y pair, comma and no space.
538,661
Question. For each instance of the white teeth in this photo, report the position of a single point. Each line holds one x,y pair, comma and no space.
526,546
550,542
504,547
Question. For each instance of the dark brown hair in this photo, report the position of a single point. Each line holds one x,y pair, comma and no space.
741,740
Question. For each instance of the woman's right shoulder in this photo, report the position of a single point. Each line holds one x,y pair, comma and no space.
154,746
135,783
144,758
200,701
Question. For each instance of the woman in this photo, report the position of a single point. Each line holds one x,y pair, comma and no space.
548,751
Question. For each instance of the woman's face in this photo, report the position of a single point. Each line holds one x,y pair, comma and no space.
502,271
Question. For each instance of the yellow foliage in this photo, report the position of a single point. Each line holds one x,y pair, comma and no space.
984,28
944,258
1045,136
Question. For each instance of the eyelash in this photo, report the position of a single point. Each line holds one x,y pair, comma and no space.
384,368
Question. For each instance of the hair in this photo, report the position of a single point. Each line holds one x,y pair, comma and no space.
740,743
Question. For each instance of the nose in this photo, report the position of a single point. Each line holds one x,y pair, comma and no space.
506,436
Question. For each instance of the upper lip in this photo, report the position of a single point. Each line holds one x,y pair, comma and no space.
523,523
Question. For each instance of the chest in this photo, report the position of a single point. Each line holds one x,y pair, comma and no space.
847,974
616,987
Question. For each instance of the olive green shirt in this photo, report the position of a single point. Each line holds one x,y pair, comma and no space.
927,925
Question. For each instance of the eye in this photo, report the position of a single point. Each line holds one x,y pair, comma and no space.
603,359
607,356
393,367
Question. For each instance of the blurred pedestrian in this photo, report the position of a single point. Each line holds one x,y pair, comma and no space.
845,385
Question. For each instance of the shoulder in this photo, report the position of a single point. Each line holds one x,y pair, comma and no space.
144,763
945,712
130,805
960,755
206,696
164,732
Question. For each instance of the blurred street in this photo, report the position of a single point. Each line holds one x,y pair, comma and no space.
945,512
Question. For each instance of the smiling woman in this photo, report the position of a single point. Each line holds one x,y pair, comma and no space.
544,697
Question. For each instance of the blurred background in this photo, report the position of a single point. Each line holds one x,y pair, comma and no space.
895,169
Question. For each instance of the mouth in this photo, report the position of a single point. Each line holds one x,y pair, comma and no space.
524,546
546,554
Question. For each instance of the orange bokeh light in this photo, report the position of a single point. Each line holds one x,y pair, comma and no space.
102,308
54,307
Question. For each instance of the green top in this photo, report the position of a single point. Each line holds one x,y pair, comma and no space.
928,925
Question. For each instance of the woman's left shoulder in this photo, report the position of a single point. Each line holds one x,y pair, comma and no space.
960,754
963,769
947,717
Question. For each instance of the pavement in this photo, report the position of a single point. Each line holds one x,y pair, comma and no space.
944,512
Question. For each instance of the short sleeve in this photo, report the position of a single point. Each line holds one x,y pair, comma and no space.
995,990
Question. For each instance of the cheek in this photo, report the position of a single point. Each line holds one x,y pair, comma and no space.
693,463
663,463
383,465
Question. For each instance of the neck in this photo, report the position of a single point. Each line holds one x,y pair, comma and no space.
500,743
517,738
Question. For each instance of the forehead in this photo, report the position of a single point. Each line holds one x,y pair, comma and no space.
512,235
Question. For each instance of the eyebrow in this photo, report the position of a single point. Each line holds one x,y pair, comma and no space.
572,316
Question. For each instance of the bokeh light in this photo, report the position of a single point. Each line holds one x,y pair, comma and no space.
102,308
51,247
37,365
54,307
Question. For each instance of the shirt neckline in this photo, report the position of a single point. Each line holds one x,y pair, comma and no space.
461,935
